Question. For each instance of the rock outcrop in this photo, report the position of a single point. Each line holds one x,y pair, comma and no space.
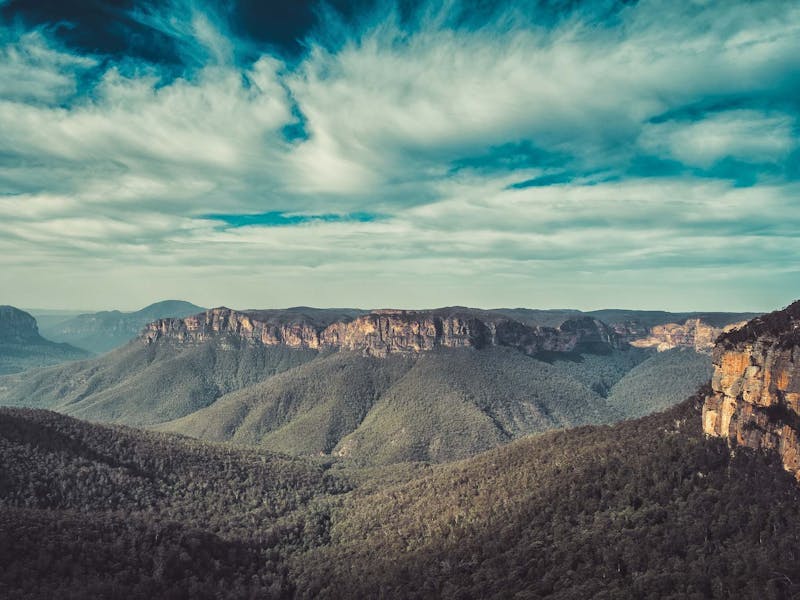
22,348
17,326
755,398
693,333
383,332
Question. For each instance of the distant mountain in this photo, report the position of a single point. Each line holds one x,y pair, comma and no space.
21,346
103,331
380,387
645,328
651,318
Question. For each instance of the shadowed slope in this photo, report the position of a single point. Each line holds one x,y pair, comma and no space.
645,508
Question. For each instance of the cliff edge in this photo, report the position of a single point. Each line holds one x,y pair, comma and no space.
755,398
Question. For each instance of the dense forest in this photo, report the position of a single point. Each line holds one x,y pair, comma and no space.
644,508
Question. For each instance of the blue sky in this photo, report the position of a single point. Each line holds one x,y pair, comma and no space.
543,154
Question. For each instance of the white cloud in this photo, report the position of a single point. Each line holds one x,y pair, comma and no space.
747,135
31,70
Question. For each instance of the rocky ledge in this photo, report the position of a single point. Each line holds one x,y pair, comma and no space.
755,398
384,332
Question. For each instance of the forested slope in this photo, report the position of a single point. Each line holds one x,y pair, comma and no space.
645,508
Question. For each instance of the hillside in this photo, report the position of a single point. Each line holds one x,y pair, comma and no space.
437,406
103,331
22,347
661,381
646,508
142,384
113,512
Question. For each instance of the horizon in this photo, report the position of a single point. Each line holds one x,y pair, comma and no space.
400,153
43,310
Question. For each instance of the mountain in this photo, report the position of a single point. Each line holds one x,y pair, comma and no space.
377,387
438,405
143,384
652,318
374,387
755,398
21,346
103,331
646,328
644,508
383,332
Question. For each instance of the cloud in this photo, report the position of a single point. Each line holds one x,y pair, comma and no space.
745,135
34,71
476,160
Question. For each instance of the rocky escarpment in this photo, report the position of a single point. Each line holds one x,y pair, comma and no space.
384,332
693,333
755,399
17,326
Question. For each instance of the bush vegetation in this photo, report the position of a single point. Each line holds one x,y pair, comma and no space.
646,508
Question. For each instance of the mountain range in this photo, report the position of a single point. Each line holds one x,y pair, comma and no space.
374,387
694,502
103,331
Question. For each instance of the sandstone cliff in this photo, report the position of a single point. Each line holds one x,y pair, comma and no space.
755,399
693,333
383,332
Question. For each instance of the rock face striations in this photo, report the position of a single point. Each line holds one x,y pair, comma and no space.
755,399
382,332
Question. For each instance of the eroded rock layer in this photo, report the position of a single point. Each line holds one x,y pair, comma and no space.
755,398
384,332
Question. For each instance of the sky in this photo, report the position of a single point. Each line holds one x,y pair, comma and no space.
400,154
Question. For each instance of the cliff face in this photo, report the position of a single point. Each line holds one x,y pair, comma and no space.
383,332
755,399
693,333
17,326
22,348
